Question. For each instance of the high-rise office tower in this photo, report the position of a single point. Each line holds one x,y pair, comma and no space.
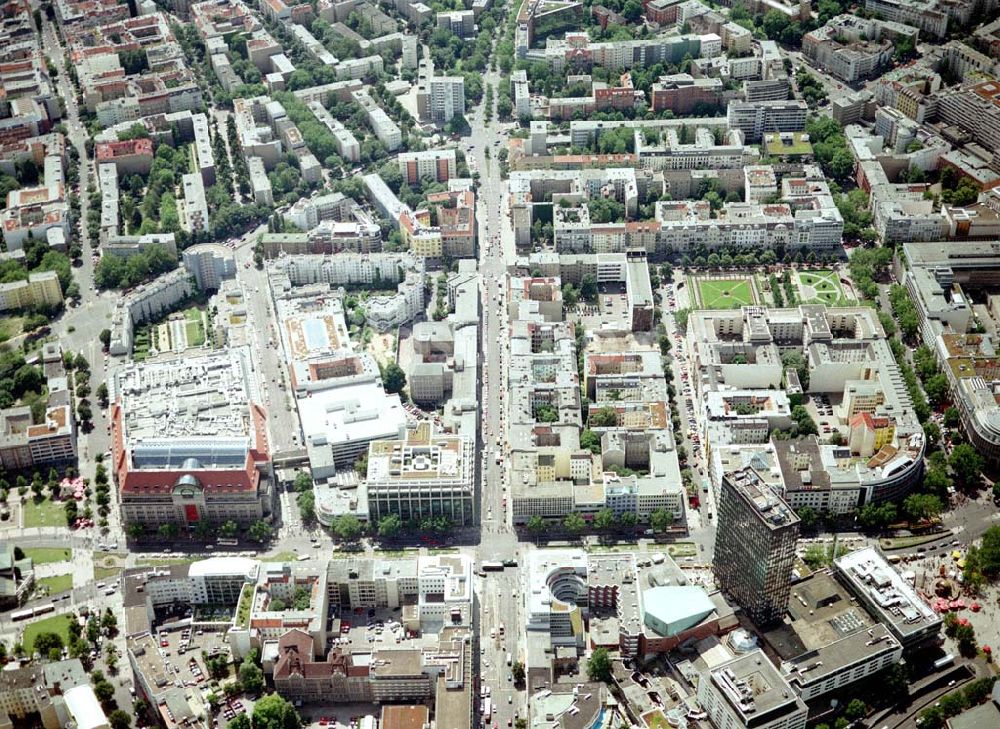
755,546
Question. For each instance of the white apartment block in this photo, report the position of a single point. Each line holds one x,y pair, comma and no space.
194,218
347,145
440,98
757,119
204,159
313,47
384,128
520,94
359,68
923,14
260,184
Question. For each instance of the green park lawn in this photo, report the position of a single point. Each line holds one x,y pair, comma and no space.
10,326
194,327
58,624
45,513
682,549
56,583
820,287
281,557
717,293
47,555
164,562
107,564
797,146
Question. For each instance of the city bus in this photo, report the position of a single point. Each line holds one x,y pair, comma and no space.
31,612
487,708
492,566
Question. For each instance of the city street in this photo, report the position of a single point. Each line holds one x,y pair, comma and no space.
498,541
701,525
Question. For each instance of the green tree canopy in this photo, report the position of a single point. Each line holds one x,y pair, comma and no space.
390,526
393,378
347,527
661,520
599,665
274,712
966,463
574,523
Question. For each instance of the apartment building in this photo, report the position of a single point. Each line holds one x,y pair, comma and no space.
923,14
25,444
17,578
975,108
204,157
460,22
34,211
145,302
107,179
311,45
368,67
260,184
437,164
55,695
661,149
383,311
439,98
307,213
577,51
285,610
194,210
134,157
40,289
456,214
937,276
756,119
987,37
853,48
685,95
520,94
855,363
255,127
346,144
384,128
209,264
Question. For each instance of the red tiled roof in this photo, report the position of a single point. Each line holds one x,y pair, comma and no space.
110,150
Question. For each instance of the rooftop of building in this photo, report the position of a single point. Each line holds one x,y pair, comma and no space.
422,455
984,715
404,717
957,254
752,686
895,601
202,399
568,706
827,631
771,509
